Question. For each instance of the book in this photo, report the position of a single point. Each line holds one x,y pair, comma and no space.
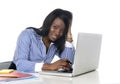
14,75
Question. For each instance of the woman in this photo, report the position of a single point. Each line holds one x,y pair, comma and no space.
36,48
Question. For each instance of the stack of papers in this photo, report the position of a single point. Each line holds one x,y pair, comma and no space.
10,75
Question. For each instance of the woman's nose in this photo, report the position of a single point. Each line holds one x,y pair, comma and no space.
57,32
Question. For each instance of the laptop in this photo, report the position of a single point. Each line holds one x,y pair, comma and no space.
86,55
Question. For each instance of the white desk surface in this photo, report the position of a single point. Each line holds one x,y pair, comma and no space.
95,77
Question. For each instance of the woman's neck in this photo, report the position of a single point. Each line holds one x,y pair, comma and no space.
46,41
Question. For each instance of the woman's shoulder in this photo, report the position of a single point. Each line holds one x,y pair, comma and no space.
29,30
29,33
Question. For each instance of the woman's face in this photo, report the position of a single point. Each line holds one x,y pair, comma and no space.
56,29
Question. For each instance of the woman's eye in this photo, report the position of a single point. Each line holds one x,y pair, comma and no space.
54,26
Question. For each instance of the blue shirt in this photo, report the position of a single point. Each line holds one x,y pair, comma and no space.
30,50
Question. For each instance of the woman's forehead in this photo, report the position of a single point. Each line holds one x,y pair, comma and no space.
58,22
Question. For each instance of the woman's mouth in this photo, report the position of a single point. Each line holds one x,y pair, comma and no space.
53,37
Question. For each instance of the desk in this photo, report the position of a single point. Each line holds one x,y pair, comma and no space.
89,78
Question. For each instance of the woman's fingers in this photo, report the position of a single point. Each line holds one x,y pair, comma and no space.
62,63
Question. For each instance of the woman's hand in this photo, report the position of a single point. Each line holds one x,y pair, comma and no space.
69,34
62,63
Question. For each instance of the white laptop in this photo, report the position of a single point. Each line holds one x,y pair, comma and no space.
86,56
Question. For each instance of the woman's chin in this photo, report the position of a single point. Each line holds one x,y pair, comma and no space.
53,39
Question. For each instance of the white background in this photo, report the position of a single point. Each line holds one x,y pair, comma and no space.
91,16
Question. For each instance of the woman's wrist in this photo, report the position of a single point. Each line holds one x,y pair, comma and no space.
69,35
46,66
69,38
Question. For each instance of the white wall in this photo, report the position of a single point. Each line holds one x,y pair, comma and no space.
94,16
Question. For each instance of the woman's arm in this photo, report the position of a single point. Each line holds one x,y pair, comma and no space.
21,55
66,57
62,63
69,50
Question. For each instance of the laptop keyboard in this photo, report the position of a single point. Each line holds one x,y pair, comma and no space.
66,71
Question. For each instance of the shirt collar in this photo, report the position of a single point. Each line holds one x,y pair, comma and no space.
42,41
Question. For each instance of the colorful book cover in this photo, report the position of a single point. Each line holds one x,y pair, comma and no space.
15,75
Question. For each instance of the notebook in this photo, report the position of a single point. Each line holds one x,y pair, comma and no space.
86,55
12,75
